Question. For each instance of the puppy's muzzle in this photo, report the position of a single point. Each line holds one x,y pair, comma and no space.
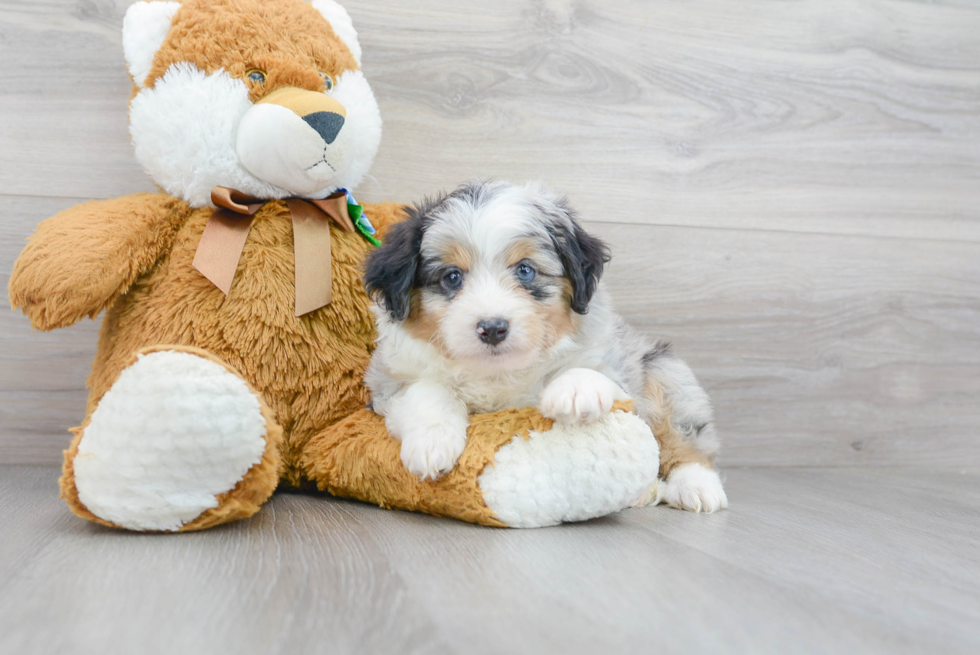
294,138
492,330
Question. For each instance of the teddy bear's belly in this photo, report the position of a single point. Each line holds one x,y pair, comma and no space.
308,368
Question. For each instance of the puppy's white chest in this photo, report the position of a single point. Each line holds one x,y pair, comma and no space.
483,395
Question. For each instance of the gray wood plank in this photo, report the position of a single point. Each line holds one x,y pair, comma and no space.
842,117
840,533
64,101
805,561
827,117
294,579
817,349
603,587
42,375
31,514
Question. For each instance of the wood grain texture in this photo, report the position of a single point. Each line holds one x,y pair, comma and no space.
790,189
805,561
817,349
42,374
840,116
791,192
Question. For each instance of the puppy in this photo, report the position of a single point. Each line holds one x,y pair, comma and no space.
490,298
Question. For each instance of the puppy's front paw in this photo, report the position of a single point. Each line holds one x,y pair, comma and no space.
433,452
580,394
695,488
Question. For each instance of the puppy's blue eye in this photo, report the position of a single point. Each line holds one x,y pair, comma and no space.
452,279
525,272
257,76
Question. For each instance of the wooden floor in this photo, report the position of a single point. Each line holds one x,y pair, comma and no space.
791,191
805,561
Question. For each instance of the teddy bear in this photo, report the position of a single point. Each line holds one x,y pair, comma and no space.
236,330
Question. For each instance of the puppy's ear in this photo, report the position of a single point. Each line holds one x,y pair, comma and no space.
582,255
389,273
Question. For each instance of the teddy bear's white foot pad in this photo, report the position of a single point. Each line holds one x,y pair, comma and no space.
173,432
572,472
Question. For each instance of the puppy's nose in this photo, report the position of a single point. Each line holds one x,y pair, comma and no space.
326,123
492,330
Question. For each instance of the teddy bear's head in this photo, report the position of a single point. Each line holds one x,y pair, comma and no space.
263,96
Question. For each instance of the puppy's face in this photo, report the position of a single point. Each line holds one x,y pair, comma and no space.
492,274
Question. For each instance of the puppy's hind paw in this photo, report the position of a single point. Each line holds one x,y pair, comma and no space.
695,488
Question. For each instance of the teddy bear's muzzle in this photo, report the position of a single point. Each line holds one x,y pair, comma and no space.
294,138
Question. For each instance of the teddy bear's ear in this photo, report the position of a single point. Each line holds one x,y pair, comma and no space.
342,25
144,28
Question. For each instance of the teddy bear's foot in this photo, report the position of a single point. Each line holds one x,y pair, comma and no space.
178,442
572,472
518,469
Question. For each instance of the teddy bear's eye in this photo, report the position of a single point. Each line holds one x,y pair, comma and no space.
257,76
327,81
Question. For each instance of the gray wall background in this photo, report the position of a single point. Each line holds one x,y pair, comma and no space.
791,190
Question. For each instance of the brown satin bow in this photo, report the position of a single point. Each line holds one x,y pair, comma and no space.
225,234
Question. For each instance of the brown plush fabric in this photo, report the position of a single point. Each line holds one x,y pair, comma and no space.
132,258
242,501
308,369
287,40
356,459
79,261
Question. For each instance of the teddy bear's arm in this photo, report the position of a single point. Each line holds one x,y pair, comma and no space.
80,260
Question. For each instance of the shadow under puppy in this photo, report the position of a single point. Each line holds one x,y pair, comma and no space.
490,298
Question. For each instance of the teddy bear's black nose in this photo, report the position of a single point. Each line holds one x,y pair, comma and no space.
326,123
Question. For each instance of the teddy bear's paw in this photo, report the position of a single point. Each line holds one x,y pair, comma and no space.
580,395
695,488
572,472
175,431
